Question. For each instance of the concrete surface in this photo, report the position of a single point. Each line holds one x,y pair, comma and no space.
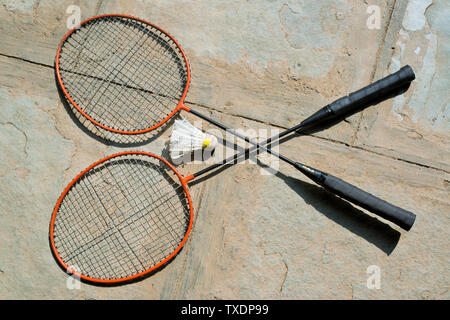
255,65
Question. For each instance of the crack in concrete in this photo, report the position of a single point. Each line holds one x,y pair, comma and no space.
24,147
26,60
187,245
351,145
384,155
260,245
283,28
34,11
284,276
24,134
63,136
377,60
425,12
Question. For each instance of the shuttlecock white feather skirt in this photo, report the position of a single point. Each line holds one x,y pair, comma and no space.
186,139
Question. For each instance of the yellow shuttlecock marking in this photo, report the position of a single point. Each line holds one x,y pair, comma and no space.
206,143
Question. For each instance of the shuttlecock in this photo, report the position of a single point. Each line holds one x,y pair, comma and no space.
187,139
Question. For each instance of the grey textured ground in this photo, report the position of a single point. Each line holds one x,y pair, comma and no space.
255,64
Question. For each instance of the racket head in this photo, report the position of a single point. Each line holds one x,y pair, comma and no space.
124,74
121,218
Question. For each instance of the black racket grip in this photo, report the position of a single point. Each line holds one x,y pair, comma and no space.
349,192
358,100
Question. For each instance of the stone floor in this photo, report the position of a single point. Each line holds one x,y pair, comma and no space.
255,64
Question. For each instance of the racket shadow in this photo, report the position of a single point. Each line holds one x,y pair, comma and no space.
104,136
380,234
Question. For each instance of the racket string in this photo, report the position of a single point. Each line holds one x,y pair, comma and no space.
157,201
85,243
105,76
115,229
123,121
173,89
115,118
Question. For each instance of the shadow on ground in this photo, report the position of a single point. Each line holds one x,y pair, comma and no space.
345,214
104,136
378,233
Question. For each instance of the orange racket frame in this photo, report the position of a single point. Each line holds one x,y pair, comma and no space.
183,181
180,105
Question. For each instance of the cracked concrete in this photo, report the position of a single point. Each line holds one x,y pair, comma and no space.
255,65
12,134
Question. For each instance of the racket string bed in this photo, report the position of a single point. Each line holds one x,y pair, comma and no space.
121,218
161,198
104,74
86,241
160,83
159,79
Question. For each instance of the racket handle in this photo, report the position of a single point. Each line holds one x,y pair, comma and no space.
349,192
360,99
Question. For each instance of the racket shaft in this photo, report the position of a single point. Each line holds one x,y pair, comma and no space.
359,100
349,192
344,106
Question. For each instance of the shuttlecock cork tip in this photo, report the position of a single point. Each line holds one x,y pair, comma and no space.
210,143
187,139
